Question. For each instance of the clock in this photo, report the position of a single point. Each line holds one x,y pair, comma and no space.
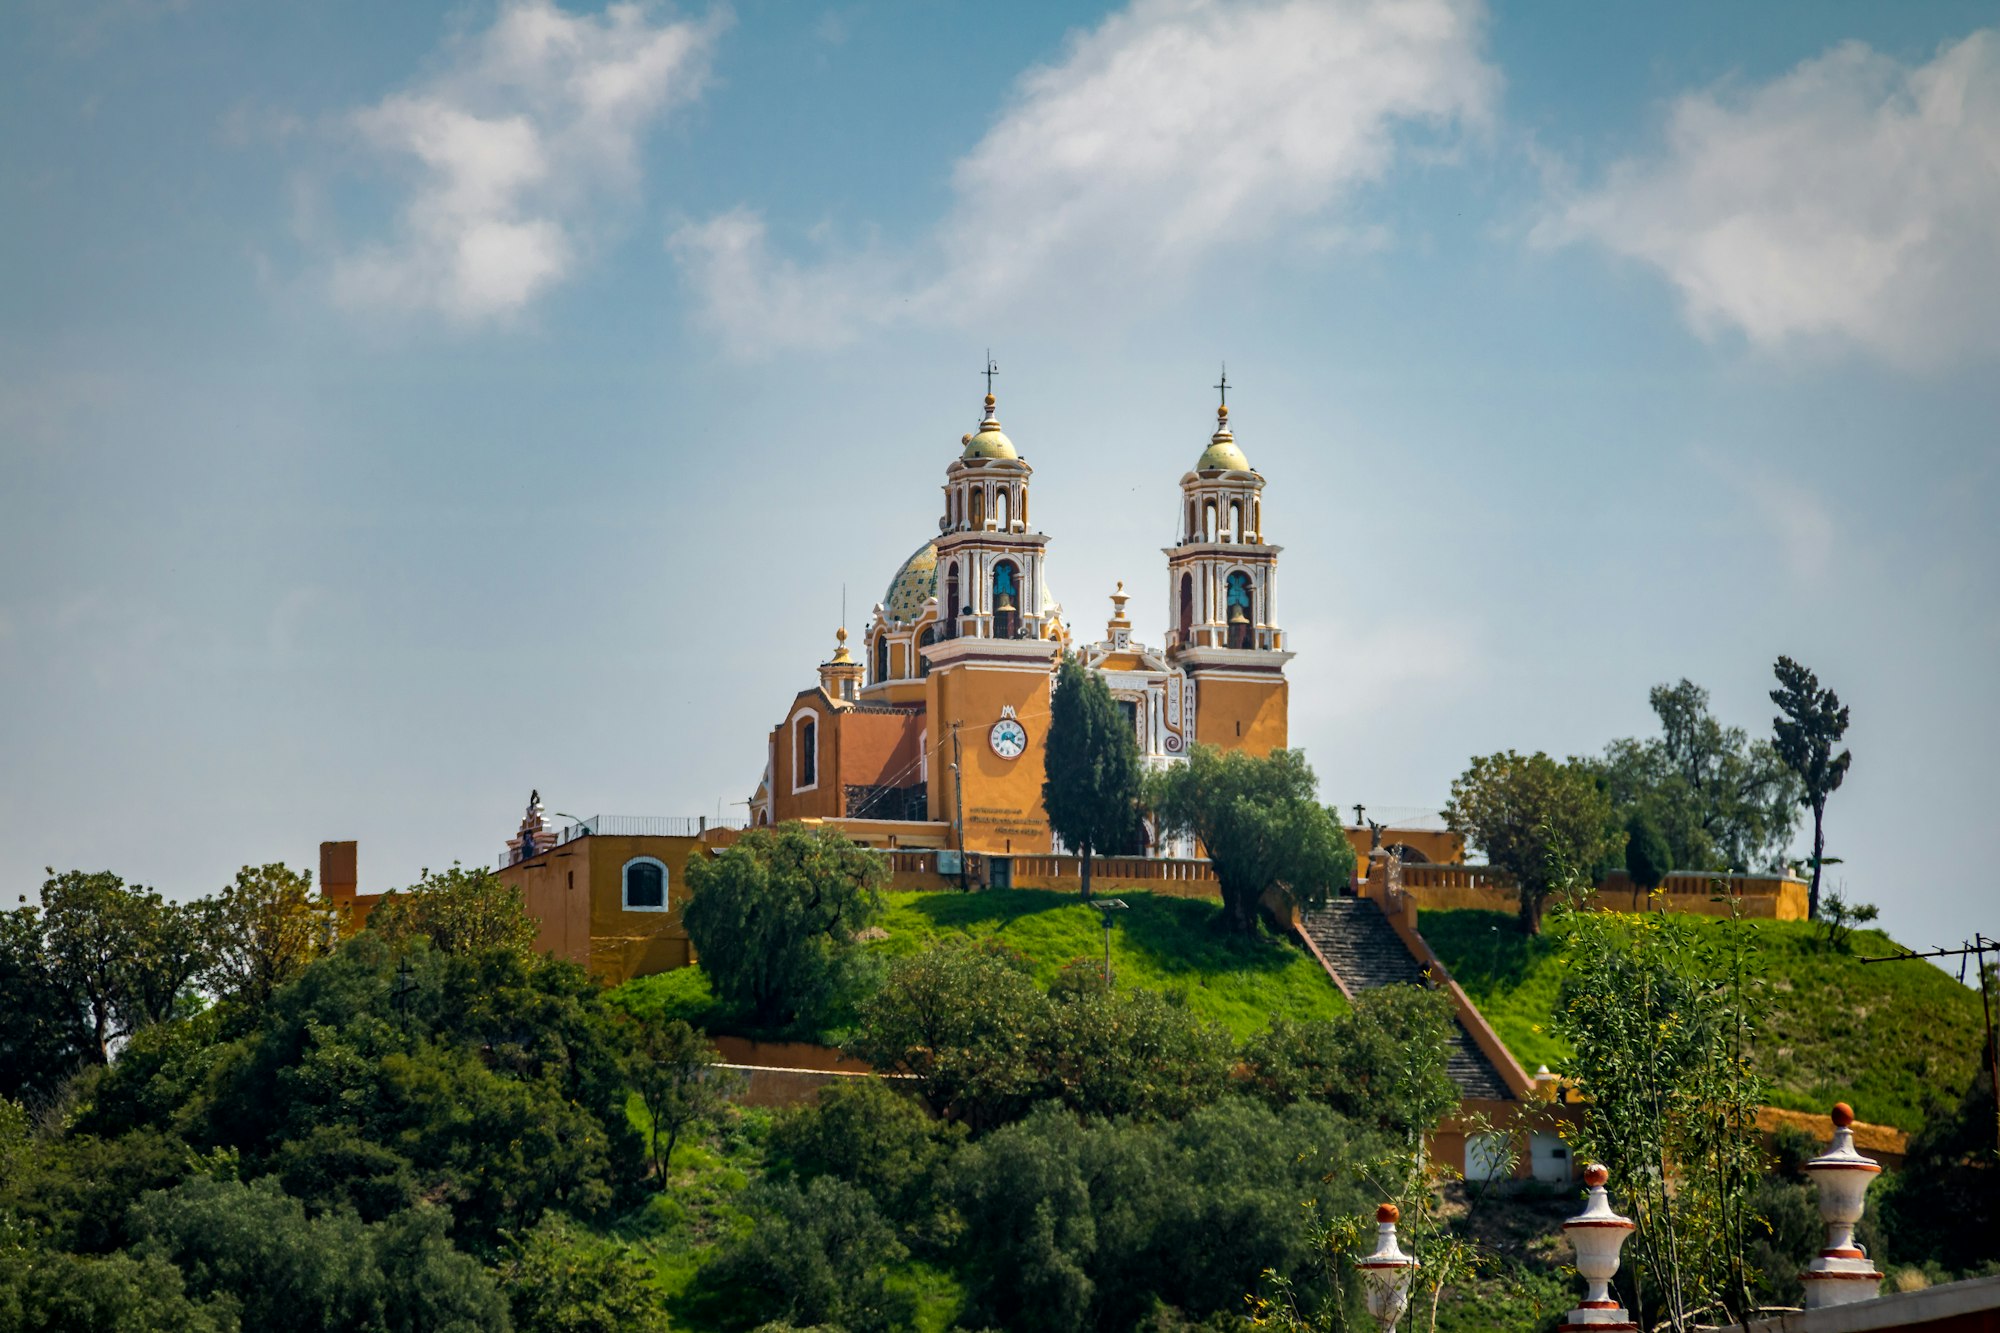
1008,738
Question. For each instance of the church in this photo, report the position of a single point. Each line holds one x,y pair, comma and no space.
932,738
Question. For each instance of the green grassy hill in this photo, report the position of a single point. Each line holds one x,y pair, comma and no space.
1887,1038
1158,943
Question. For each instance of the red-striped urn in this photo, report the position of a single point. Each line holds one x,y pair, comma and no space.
1843,1273
1597,1235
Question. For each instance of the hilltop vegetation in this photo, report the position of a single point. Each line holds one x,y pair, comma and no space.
1897,1041
1158,943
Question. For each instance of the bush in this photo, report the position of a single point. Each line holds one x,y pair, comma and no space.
817,1255
774,917
561,1280
254,1245
1070,1225
1382,1062
964,1021
868,1134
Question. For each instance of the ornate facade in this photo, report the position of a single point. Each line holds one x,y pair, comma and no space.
933,738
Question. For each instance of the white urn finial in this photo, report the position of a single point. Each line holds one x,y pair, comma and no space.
1842,1274
1386,1273
1597,1235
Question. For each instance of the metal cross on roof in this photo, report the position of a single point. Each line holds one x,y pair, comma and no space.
1223,384
991,370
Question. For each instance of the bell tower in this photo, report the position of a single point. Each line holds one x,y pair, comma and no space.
1221,595
989,671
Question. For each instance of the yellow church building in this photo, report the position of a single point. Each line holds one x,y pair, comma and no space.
933,739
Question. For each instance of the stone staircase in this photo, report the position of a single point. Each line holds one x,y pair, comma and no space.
1364,951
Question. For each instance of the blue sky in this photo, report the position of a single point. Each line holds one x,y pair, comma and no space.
402,406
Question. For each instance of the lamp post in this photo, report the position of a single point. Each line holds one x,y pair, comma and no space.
1105,907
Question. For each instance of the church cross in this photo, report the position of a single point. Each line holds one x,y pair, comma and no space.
991,371
1223,386
1358,808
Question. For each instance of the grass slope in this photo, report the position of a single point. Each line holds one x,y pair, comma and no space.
1157,943
1891,1039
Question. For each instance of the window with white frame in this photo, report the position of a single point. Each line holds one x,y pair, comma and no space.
805,752
645,885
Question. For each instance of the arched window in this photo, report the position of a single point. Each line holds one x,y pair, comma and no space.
1193,530
951,604
881,658
1187,607
1236,520
925,640
805,753
1208,521
645,885
1002,504
1006,600
1240,610
978,508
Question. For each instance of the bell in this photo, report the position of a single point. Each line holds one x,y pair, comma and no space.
1236,616
1005,602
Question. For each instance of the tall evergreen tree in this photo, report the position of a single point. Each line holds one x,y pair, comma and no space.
1094,781
1814,720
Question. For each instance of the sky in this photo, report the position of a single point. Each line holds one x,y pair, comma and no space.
403,406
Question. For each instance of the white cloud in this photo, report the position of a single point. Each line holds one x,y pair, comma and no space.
1851,201
1173,129
534,123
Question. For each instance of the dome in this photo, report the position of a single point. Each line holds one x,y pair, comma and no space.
915,583
1222,453
991,441
989,444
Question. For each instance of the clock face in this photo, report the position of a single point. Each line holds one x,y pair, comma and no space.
1008,738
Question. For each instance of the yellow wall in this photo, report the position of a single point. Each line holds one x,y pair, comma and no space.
576,895
1003,797
1242,714
1772,897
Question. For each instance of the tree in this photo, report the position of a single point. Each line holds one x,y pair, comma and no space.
1094,783
818,1255
1130,1052
774,916
1648,858
1722,800
673,1069
1661,1011
1811,722
867,1133
255,1245
1536,819
964,1021
124,955
459,911
561,1279
265,929
1260,823
1383,1062
43,1038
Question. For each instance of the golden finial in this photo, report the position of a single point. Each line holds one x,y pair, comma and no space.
840,651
